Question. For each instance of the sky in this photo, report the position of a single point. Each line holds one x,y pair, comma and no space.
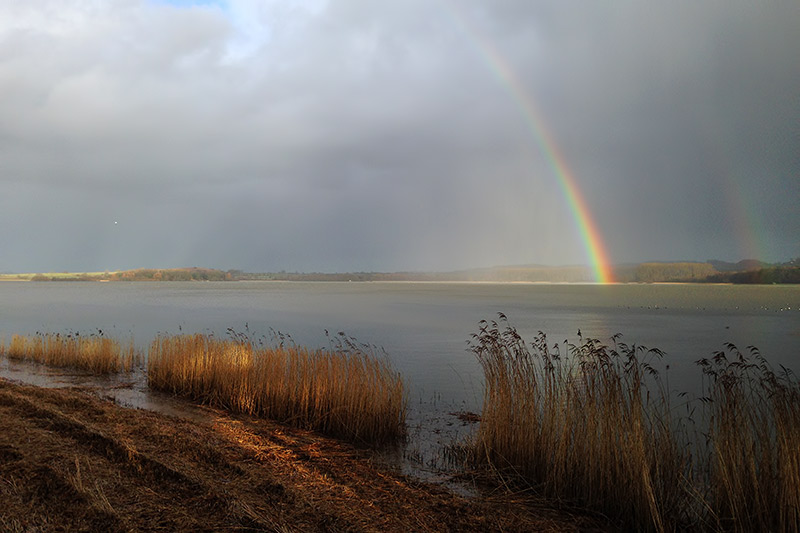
354,135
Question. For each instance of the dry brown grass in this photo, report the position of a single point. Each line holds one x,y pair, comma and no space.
95,353
346,391
753,467
70,461
595,426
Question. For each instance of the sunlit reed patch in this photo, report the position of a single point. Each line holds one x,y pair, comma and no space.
346,391
94,352
595,425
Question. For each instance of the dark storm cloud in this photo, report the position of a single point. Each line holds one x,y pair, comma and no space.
357,135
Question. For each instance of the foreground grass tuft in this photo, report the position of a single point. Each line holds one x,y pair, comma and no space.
95,353
346,391
595,426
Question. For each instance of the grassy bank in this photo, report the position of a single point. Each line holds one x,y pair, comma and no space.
95,353
345,391
595,426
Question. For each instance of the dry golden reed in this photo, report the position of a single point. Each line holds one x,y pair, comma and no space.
595,426
753,466
346,391
95,353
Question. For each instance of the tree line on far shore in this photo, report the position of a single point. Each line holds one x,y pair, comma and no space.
743,272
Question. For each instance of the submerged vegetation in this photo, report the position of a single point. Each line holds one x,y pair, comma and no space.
346,391
95,352
595,425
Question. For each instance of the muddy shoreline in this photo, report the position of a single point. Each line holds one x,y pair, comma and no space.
70,460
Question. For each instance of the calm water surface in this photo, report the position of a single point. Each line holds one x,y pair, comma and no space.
424,326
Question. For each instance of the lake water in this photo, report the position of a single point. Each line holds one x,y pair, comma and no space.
424,327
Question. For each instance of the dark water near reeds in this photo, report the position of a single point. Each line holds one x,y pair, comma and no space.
423,327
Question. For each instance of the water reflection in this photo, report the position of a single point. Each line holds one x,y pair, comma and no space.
126,389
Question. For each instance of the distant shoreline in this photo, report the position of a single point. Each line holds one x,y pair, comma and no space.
714,273
417,282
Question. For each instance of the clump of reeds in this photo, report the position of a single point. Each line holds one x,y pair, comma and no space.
582,426
94,352
346,391
753,470
594,425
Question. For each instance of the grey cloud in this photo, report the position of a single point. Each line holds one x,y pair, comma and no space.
356,135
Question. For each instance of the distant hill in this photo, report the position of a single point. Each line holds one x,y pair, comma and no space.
712,271
665,272
762,276
742,266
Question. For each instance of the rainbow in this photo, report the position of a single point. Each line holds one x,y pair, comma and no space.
746,225
589,232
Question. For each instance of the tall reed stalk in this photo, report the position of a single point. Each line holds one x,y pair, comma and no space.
95,353
346,391
595,426
753,469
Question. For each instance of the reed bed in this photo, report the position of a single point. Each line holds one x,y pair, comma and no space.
753,462
96,353
346,391
595,426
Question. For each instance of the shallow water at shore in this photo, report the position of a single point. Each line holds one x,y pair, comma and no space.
421,456
126,389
